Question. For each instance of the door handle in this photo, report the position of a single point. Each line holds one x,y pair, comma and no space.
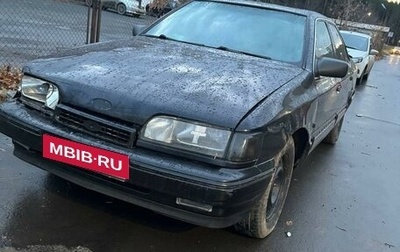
339,87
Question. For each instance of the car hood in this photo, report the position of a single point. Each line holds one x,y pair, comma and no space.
144,77
357,53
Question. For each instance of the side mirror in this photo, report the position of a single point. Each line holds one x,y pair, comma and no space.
331,67
374,52
137,29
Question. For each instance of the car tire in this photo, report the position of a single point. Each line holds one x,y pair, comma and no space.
366,75
333,135
362,77
121,9
264,215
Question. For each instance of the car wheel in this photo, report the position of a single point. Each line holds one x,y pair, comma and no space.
366,77
333,135
89,2
361,79
121,8
264,215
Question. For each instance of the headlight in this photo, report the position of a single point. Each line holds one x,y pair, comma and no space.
357,59
40,91
187,136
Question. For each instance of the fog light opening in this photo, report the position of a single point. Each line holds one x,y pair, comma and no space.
195,205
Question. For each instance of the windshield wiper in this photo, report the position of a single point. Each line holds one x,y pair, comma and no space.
163,36
224,48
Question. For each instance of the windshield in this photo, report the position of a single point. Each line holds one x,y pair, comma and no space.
262,32
355,42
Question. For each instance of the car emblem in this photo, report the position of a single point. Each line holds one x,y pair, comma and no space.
91,126
101,104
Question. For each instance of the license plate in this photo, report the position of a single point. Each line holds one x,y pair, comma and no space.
86,157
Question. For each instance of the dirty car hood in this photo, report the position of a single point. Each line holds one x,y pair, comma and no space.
143,77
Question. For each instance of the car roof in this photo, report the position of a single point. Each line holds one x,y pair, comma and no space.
303,12
356,33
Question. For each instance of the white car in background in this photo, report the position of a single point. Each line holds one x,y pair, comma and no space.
123,6
395,50
359,47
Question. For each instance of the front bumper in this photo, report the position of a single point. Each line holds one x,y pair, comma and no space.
156,180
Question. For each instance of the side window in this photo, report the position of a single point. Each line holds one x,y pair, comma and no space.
323,41
338,44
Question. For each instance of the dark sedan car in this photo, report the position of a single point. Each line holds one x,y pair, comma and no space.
201,117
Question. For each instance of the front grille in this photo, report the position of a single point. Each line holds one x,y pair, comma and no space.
92,125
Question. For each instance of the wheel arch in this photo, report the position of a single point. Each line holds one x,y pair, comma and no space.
301,144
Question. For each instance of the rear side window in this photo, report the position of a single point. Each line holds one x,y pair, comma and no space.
324,46
338,44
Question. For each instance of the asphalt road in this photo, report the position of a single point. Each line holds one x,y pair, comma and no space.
345,198
33,28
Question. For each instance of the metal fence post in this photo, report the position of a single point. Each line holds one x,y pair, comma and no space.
98,30
94,22
89,24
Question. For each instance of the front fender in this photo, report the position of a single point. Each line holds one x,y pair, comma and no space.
288,109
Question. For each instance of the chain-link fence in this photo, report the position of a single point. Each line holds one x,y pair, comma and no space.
118,26
30,29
